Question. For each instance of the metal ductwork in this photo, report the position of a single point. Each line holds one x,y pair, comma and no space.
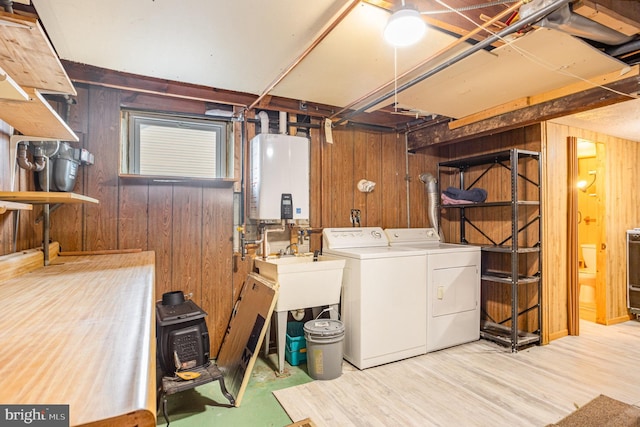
624,49
563,19
7,5
431,185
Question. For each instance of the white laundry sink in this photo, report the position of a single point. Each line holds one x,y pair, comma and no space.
303,282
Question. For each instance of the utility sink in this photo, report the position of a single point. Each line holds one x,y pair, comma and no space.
303,282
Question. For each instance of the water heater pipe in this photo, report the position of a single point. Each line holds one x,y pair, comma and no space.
406,171
264,122
282,123
265,232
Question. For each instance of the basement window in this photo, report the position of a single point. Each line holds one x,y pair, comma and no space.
164,145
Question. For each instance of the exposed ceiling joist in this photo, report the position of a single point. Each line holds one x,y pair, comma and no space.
432,57
547,96
611,14
575,103
253,42
315,42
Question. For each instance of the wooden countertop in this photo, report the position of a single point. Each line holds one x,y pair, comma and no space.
81,331
41,197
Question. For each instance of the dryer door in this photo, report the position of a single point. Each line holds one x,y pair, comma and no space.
454,290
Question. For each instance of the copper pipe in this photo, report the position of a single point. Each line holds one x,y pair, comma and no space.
467,36
333,23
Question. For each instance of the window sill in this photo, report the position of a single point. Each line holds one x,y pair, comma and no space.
215,182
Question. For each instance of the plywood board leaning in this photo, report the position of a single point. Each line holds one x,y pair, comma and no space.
245,333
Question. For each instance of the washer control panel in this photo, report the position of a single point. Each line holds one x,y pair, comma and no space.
354,237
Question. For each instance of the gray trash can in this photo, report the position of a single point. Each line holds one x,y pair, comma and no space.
325,341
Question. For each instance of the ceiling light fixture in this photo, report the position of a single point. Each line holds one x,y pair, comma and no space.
404,28
583,185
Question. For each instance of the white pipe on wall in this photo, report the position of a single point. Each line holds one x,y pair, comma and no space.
264,121
406,166
282,124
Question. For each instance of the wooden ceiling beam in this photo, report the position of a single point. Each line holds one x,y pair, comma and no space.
546,96
622,16
441,134
133,83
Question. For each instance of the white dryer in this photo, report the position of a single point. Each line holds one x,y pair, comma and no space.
383,296
453,286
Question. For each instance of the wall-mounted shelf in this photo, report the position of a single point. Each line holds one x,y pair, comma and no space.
14,206
44,198
28,57
35,117
30,67
9,89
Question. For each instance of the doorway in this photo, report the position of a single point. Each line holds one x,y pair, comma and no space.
589,286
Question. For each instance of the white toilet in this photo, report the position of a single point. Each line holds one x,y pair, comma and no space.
587,275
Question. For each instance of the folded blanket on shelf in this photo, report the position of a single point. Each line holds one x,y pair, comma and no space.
446,200
474,195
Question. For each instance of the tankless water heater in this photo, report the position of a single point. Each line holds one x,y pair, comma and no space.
279,177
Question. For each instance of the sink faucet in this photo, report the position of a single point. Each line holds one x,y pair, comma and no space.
265,232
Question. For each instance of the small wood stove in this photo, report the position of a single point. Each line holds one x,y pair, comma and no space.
181,333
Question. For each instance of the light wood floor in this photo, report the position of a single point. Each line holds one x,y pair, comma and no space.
479,384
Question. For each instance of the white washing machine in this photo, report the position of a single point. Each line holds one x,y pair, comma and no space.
383,296
453,286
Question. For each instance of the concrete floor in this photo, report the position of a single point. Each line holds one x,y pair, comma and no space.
206,406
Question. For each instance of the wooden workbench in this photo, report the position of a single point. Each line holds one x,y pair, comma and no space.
81,331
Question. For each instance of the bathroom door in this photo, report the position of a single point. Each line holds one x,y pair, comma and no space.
591,224
601,235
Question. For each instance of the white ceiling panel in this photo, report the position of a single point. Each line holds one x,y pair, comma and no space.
243,45
354,60
235,45
619,120
540,61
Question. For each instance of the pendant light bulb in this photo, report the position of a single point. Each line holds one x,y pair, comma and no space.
404,28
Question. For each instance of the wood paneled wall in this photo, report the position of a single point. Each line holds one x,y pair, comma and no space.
189,226
29,232
495,222
620,197
399,198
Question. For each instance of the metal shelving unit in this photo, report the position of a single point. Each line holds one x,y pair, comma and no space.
506,331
